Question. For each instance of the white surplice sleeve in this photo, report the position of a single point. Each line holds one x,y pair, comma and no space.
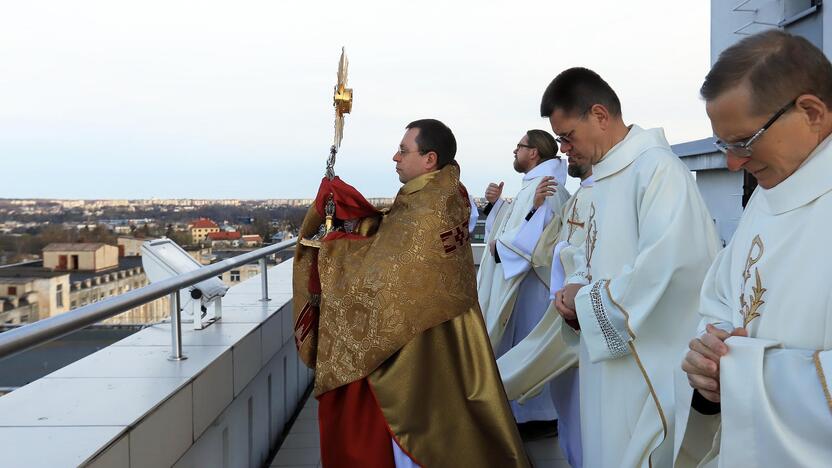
714,299
673,238
776,405
492,216
517,248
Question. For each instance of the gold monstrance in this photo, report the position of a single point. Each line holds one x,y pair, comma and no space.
342,101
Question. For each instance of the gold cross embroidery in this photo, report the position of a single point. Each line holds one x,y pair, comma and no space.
574,222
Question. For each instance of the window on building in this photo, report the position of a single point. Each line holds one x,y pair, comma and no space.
235,275
12,290
59,295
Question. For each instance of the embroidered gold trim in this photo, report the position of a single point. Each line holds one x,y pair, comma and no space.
822,376
632,345
749,308
591,238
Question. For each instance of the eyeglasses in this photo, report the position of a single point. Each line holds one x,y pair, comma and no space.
565,138
743,149
521,145
404,152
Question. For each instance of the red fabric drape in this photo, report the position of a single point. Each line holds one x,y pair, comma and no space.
349,203
353,430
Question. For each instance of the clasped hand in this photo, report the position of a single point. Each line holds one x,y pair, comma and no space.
702,361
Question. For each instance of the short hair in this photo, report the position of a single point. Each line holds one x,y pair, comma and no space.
575,91
437,137
545,144
777,66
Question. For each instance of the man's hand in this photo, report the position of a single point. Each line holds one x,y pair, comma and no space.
492,247
546,187
702,361
565,302
493,192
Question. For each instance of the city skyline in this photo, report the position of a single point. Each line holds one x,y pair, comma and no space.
106,101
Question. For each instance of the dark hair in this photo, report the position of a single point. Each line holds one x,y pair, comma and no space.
575,91
545,144
437,137
776,65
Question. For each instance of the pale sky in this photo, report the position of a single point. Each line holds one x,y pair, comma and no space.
204,99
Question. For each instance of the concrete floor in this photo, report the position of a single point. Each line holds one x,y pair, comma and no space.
301,449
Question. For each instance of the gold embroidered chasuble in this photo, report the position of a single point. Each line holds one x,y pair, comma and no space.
399,307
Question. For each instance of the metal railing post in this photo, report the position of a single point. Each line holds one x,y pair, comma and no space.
264,281
176,328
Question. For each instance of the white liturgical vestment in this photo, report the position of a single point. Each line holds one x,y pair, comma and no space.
773,279
649,243
514,292
498,283
550,351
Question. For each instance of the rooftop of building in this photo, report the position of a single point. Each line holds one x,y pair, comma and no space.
204,223
695,147
74,247
224,235
30,270
36,270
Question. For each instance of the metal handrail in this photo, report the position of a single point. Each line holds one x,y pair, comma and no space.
43,331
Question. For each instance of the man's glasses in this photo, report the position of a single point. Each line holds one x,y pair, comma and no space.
565,138
404,152
521,145
742,149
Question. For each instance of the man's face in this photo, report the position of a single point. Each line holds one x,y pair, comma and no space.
525,157
777,153
409,162
580,138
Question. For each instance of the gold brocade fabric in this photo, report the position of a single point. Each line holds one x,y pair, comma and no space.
380,292
442,397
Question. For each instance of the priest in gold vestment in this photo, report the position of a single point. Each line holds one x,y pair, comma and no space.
386,313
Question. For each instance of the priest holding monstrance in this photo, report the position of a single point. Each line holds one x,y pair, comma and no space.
386,312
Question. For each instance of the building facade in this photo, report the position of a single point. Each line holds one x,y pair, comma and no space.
72,276
201,228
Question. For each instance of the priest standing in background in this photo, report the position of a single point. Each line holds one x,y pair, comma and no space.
761,365
549,354
649,243
513,279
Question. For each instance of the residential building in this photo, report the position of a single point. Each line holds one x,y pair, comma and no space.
252,240
30,292
201,228
72,276
224,239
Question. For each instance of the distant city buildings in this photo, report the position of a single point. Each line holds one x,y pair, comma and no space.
72,276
